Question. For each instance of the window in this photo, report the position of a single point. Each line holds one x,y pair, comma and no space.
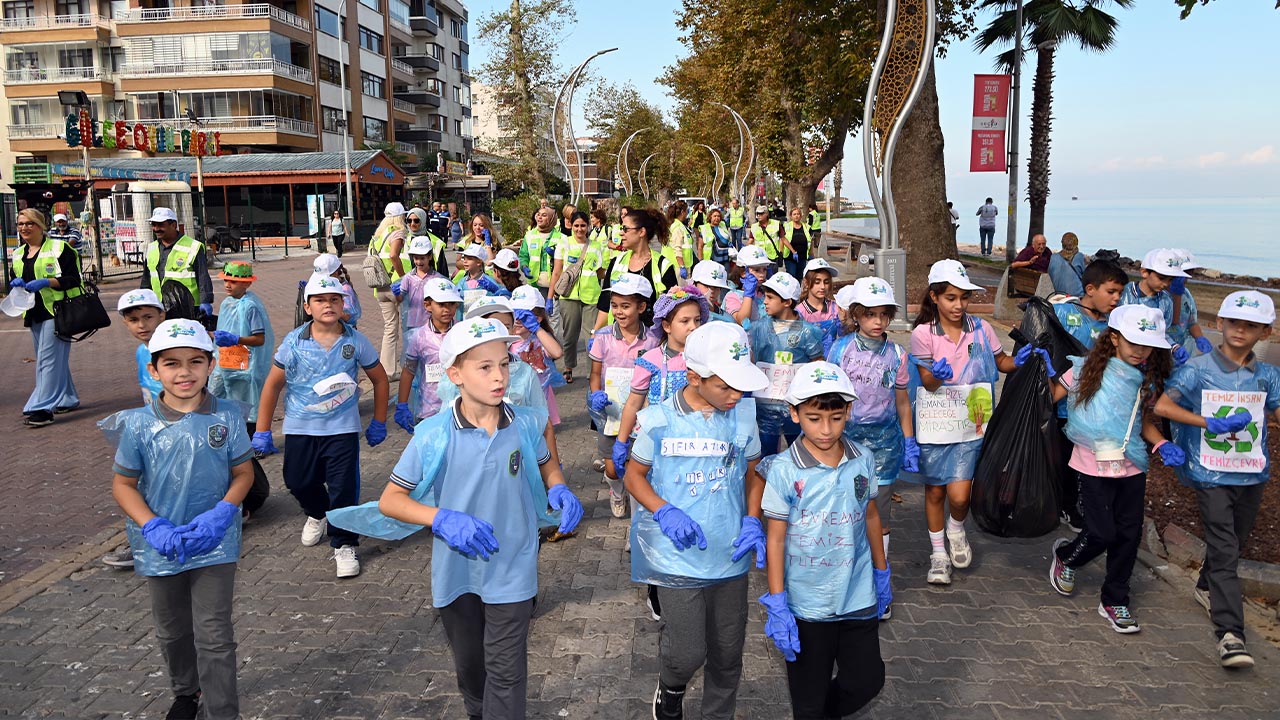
436,122
457,61
465,99
433,86
79,58
72,7
375,130
113,59
331,118
20,9
372,4
457,94
458,28
399,11
370,40
453,27
466,63
373,86
329,71
328,22
457,127
435,51
22,60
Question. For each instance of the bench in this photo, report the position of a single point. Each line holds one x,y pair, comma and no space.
1018,284
1022,282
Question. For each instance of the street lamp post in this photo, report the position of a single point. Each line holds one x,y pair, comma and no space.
1011,233
195,122
346,151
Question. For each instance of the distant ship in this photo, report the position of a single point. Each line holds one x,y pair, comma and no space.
1073,197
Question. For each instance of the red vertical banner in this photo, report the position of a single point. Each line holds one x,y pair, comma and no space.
987,151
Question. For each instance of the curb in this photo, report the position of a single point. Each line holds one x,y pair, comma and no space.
1181,549
17,591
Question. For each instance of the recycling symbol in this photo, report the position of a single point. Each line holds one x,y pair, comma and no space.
1225,443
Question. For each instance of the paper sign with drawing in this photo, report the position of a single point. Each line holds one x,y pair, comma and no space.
953,413
1241,451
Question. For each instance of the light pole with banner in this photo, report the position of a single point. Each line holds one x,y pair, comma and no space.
344,52
79,99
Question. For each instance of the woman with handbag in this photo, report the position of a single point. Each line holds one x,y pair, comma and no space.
575,283
48,269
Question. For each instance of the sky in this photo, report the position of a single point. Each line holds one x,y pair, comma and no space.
1178,109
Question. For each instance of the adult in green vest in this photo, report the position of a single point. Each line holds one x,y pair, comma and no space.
715,237
737,222
578,304
680,241
388,243
767,234
417,224
640,229
815,227
50,270
796,231
537,249
180,258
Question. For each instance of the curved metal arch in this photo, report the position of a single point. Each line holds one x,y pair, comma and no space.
718,178
565,97
622,159
644,183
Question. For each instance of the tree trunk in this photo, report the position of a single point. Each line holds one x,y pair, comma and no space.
1041,126
920,189
524,117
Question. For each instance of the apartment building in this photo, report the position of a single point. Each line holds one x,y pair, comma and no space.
268,76
493,132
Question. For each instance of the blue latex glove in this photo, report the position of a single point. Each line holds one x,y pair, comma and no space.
1180,355
375,433
37,285
683,530
749,284
884,591
529,321
208,527
1229,424
910,455
222,338
589,341
1024,353
551,305
488,239
205,308
1171,454
597,400
561,498
1178,287
621,451
750,537
684,273
17,283
488,284
302,284
526,272
1203,345
404,417
165,538
469,535
941,369
780,624
262,443
396,289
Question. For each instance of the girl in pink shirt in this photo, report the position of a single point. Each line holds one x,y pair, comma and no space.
422,354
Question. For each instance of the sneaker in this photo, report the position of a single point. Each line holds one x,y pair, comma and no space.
651,602
1072,520
617,505
1061,577
184,707
65,410
598,466
121,557
313,530
939,570
887,614
347,561
39,418
958,546
1119,617
1232,652
1202,597
668,704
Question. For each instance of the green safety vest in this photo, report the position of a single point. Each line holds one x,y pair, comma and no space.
815,221
179,266
689,240
587,289
46,266
808,236
709,238
737,218
658,266
769,239
437,247
538,244
380,245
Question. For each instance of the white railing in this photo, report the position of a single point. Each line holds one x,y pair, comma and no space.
37,131
54,22
39,75
234,66
406,148
212,12
402,66
241,123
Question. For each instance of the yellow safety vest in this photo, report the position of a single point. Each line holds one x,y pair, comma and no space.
380,244
46,266
737,218
179,266
815,221
678,228
788,228
769,239
708,236
538,244
587,289
658,266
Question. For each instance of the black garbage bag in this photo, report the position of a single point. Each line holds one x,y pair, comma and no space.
1040,327
179,305
300,315
1016,486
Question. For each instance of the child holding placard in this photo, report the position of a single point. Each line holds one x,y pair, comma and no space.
780,340
961,352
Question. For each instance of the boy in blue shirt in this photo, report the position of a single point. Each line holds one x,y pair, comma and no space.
1218,405
1160,268
1186,319
316,366
181,470
693,471
480,473
828,578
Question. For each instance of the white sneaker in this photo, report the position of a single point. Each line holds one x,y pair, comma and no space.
958,546
313,531
347,561
617,505
939,570
1202,597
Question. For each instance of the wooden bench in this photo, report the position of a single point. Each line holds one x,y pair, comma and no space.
1022,282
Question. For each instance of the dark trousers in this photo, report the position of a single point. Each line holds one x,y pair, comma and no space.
192,612
323,473
337,244
1113,510
1068,479
769,442
852,648
1227,513
490,654
705,626
986,239
261,488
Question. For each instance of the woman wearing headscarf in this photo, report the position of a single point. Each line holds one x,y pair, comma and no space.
1067,267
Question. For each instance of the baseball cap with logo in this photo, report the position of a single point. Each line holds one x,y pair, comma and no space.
179,334
326,264
393,209
1248,305
753,256
1188,260
507,260
722,349
321,285
441,290
527,297
952,273
139,298
786,286
1140,325
470,333
871,292
845,297
1164,261
238,270
817,264
711,274
420,245
488,305
475,251
819,378
632,284
163,214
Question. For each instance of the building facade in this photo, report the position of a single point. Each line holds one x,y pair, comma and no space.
493,132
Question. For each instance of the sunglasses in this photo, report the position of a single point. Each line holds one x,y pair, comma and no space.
414,220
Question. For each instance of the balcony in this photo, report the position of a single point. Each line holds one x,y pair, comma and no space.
244,123
402,106
399,26
419,134
36,131
28,76
422,62
55,22
423,25
212,12
407,148
402,67
419,97
234,66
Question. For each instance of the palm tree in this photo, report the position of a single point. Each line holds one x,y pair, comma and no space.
1049,23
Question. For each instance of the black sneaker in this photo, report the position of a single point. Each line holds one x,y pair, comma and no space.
39,418
65,410
668,704
655,608
184,707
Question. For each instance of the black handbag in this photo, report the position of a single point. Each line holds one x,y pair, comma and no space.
79,316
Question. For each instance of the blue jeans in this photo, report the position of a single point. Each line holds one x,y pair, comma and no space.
986,238
54,387
737,234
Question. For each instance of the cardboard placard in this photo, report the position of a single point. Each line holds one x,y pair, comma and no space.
953,413
1243,451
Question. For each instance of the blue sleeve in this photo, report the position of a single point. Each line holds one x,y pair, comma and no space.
128,461
1184,385
256,320
284,354
753,449
778,496
239,451
544,452
642,445
1269,377
408,470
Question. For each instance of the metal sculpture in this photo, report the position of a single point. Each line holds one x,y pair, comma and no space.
565,98
747,151
718,179
644,182
624,169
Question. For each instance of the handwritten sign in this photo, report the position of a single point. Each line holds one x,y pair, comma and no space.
235,357
780,373
1243,451
617,385
953,413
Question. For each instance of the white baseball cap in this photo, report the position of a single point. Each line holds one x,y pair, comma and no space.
179,334
752,256
632,284
468,334
420,245
845,297
710,273
819,378
393,209
163,214
489,305
762,210
722,349
1249,305
441,290
322,285
785,285
952,273
475,251
59,216
819,264
139,298
527,297
507,260
1164,261
326,264
870,292
1140,325
1188,260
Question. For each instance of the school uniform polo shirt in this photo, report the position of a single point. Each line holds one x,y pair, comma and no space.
930,342
481,476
